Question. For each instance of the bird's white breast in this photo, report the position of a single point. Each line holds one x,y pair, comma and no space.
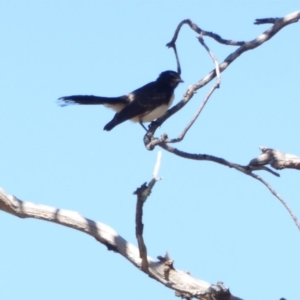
155,113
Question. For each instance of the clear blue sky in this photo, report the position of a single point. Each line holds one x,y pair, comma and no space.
215,223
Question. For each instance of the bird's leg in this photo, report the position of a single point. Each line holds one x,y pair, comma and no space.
143,125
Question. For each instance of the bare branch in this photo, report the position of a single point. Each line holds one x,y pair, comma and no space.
264,168
218,160
201,32
275,158
291,18
201,40
139,226
279,198
142,194
244,169
179,281
216,86
244,46
176,56
265,21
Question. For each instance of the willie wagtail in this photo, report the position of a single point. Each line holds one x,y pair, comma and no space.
145,104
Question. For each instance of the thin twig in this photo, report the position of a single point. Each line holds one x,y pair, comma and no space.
216,85
264,168
177,57
192,121
278,197
214,59
204,33
265,21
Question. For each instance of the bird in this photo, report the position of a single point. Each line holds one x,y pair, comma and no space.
144,104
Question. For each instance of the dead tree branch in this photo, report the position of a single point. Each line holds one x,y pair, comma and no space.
179,281
143,193
244,169
202,32
139,226
215,86
278,24
275,158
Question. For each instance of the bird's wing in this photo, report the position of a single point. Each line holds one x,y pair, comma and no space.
142,102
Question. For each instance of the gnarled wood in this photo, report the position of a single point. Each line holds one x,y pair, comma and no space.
275,158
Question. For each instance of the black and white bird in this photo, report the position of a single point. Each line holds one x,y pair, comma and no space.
145,104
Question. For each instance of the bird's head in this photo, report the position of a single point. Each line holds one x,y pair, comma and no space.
171,78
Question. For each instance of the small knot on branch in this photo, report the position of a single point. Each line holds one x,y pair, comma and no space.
168,264
141,189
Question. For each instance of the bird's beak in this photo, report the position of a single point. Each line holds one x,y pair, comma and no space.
179,80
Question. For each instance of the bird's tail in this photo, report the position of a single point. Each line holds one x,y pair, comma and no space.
91,100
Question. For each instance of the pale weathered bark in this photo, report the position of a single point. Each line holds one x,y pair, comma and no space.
275,158
162,270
